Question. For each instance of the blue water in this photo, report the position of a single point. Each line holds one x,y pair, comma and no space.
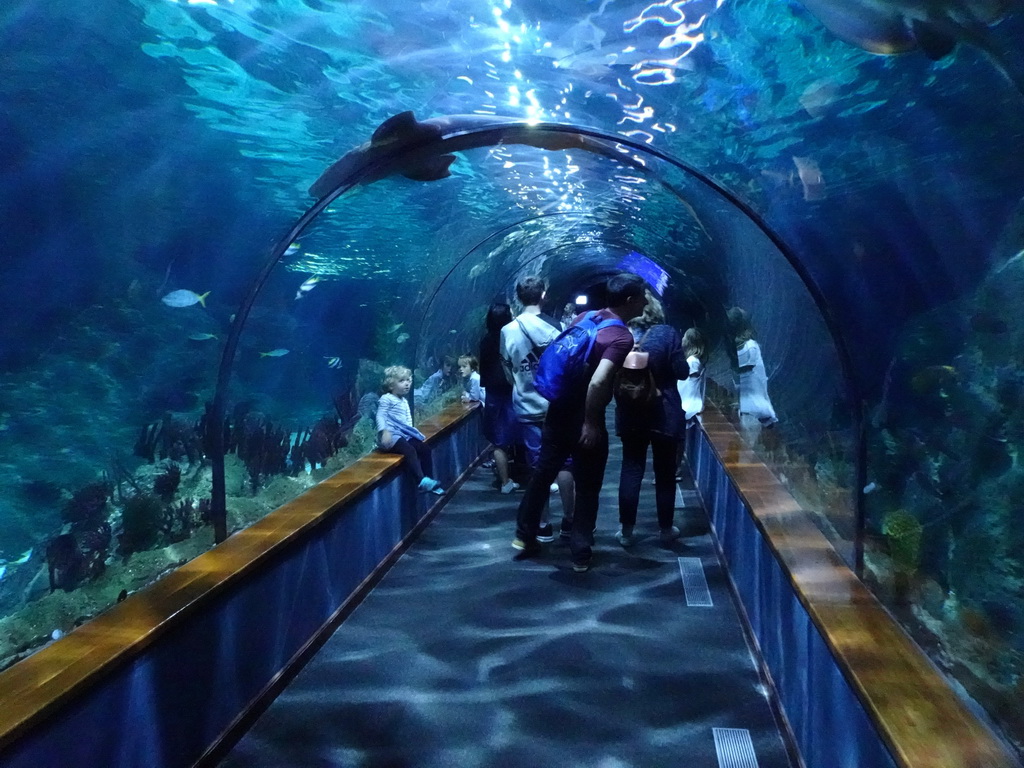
149,146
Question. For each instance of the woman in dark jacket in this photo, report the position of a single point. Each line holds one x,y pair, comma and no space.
658,422
499,418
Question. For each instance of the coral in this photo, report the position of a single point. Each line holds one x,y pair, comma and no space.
262,446
172,438
177,522
318,444
903,534
140,523
95,542
87,504
165,485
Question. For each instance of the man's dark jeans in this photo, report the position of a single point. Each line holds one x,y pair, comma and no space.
560,439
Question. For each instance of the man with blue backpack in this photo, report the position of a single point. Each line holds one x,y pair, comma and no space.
576,374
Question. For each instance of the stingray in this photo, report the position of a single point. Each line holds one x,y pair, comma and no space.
393,149
932,26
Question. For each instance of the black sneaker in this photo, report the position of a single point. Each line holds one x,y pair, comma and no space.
527,548
582,566
546,533
565,530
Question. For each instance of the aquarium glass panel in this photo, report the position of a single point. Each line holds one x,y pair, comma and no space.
852,181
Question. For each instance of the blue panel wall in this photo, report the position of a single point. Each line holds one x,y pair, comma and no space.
164,708
831,728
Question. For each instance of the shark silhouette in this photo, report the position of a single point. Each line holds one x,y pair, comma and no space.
407,146
931,26
403,134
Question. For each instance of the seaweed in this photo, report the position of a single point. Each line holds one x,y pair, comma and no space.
165,485
87,504
140,523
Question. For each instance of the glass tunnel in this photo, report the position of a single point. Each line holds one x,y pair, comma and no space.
849,173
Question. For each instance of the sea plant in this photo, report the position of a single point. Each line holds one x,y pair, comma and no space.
140,523
87,504
178,521
165,485
903,534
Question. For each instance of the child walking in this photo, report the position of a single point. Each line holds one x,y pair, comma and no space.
395,432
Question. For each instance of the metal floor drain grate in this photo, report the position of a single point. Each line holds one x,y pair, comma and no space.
695,584
734,748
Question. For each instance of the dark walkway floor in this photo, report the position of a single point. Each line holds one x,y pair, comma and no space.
462,657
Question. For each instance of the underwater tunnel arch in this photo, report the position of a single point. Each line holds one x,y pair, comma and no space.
434,144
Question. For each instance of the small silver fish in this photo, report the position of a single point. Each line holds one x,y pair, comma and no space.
453,331
307,286
333,362
202,336
402,338
24,558
275,353
184,298
394,328
3,570
292,249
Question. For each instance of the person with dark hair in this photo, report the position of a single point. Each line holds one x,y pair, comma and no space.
656,421
499,414
574,425
522,341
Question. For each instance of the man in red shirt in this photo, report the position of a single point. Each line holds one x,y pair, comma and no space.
575,427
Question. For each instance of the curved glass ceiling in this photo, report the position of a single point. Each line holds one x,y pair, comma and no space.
151,146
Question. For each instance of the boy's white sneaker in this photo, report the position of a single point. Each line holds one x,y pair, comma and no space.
510,486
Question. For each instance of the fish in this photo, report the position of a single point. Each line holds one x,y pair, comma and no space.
453,331
402,338
23,558
934,377
202,336
275,353
292,249
184,298
891,27
3,571
394,328
810,178
307,285
333,362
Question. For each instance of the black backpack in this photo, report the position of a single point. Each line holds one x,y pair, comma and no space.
635,386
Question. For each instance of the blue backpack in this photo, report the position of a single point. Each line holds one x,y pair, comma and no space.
563,367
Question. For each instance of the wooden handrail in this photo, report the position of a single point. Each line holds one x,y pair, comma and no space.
39,685
921,719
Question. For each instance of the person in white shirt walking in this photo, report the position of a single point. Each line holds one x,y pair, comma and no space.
522,342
